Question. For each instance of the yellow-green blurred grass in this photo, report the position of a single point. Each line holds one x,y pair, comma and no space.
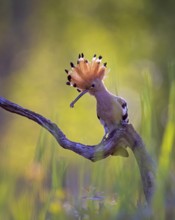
55,186
34,173
42,170
59,183
164,196
54,181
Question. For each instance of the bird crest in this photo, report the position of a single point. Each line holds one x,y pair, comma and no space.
85,72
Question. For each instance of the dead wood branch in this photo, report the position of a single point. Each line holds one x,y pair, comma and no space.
101,150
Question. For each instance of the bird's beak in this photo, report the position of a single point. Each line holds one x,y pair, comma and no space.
78,97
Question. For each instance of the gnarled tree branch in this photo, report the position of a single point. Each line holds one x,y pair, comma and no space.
101,150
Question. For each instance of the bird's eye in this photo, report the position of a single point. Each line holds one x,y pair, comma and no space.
93,85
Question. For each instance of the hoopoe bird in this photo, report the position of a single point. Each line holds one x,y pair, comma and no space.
88,77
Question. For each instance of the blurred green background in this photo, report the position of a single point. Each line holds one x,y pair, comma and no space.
38,39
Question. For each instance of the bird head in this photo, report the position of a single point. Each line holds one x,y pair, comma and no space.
86,76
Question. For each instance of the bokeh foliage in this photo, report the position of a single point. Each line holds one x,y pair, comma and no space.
39,180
